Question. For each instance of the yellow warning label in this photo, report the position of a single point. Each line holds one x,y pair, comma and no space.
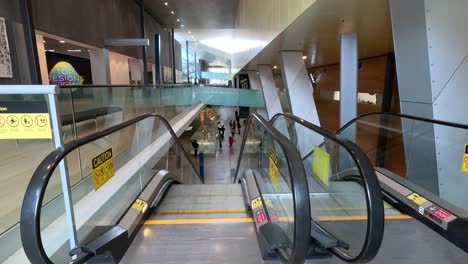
256,202
25,126
321,164
273,170
140,205
416,198
103,168
464,167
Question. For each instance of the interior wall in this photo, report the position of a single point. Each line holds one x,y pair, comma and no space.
119,68
9,10
152,28
371,78
89,21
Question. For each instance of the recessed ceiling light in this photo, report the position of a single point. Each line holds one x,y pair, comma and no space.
304,57
182,25
43,41
51,50
165,3
74,50
275,67
172,12
89,50
178,20
190,32
62,41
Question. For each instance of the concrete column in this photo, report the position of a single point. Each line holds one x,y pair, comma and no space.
298,86
42,59
348,77
301,100
414,84
255,84
270,92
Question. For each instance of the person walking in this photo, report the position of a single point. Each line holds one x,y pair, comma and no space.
222,131
220,142
233,131
231,141
219,127
195,146
238,127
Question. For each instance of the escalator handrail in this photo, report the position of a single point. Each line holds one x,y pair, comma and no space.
299,187
418,118
375,210
32,203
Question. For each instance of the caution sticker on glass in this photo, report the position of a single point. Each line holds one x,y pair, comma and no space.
464,166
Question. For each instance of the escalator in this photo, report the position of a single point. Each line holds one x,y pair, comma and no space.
419,165
139,176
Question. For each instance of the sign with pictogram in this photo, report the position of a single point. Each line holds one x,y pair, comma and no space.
24,120
256,203
464,167
260,216
416,198
103,168
439,212
140,205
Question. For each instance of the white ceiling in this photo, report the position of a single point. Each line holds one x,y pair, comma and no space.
317,31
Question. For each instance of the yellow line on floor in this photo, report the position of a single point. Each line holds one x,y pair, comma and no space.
202,211
360,217
198,221
242,210
347,208
248,219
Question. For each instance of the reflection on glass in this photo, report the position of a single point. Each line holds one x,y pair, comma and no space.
337,197
427,154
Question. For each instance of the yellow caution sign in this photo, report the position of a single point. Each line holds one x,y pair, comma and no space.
256,202
103,168
464,167
416,198
140,205
273,170
25,126
321,164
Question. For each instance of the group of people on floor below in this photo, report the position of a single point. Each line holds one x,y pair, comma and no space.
233,124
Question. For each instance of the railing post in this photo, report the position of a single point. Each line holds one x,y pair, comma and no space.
64,179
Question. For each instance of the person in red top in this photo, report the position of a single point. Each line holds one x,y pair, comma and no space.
231,140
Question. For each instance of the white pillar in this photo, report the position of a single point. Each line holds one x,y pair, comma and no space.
298,86
270,92
42,59
255,84
301,99
348,77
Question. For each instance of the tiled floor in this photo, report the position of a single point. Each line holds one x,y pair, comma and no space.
220,167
